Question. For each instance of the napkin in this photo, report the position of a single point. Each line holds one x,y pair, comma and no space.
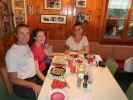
58,84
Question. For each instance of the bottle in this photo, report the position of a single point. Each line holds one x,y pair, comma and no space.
85,83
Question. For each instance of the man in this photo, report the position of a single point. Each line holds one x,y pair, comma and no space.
22,69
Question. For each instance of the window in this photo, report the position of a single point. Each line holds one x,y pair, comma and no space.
119,23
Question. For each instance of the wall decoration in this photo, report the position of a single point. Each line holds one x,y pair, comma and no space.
30,10
81,3
19,11
53,4
19,3
2,15
82,18
53,19
6,25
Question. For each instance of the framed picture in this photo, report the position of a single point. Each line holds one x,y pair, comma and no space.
53,19
53,4
19,3
81,3
82,18
19,11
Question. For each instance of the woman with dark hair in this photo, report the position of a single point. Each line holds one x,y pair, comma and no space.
77,41
39,50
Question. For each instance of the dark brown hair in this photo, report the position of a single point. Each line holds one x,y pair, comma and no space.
35,32
20,26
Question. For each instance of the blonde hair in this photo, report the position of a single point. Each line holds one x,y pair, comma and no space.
80,25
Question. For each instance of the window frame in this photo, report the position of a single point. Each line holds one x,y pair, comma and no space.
123,40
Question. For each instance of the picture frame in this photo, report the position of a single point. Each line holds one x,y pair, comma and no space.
81,3
20,12
53,19
52,4
82,18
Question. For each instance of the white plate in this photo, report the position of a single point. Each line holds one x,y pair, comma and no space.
58,90
59,60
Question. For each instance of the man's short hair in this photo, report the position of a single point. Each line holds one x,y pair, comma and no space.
20,26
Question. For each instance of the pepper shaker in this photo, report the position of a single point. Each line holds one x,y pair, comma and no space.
85,83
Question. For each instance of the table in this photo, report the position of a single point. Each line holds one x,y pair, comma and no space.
103,87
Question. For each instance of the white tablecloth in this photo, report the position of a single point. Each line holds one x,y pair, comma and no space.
103,87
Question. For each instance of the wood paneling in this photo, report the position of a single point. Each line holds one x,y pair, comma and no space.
94,10
6,18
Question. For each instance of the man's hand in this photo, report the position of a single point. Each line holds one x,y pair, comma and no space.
13,78
36,88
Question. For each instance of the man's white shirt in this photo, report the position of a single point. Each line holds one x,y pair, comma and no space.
19,59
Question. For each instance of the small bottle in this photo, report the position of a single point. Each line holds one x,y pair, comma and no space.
86,77
85,83
80,77
79,81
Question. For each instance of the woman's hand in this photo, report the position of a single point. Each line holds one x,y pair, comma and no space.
39,73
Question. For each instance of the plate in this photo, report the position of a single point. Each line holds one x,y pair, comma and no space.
58,65
57,71
58,91
74,55
59,60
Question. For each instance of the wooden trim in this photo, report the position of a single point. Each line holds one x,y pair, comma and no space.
104,20
115,42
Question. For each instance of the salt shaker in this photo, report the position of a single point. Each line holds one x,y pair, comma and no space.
79,79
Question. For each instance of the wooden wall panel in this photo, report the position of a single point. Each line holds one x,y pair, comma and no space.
94,10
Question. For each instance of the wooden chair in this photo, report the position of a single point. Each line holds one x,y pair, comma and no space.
129,92
6,92
112,65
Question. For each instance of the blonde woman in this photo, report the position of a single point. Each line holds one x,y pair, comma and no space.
77,41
